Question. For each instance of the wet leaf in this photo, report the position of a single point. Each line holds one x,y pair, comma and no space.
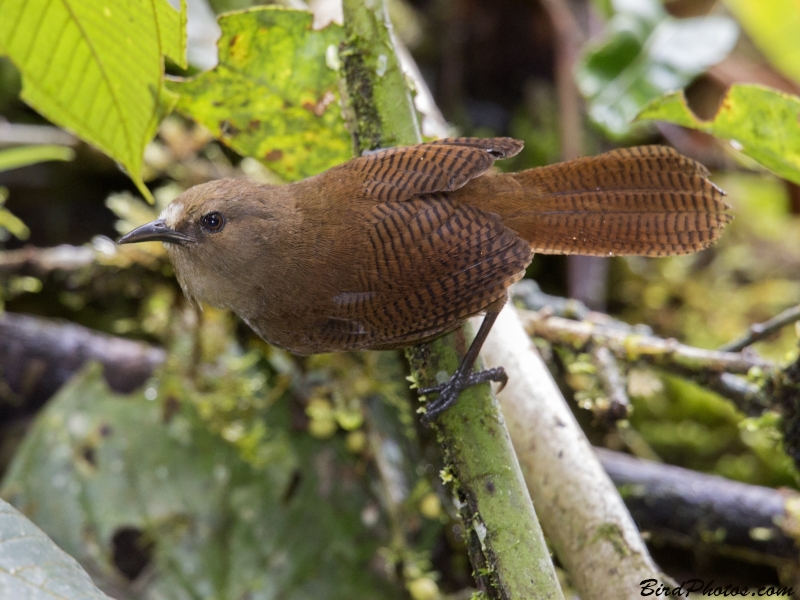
762,123
205,513
96,68
34,568
773,26
273,95
644,54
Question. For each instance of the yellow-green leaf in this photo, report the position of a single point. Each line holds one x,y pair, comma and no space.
9,223
172,31
644,54
761,122
96,67
773,25
273,95
23,156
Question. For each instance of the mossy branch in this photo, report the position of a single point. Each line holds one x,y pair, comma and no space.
509,556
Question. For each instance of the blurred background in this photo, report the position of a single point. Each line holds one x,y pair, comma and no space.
567,77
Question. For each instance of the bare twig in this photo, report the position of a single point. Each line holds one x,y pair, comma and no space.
581,512
528,293
759,331
613,382
569,40
750,398
693,510
41,261
37,356
18,133
586,275
632,347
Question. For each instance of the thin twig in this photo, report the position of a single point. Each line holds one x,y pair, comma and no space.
529,294
569,40
632,347
20,134
41,261
613,382
750,398
759,331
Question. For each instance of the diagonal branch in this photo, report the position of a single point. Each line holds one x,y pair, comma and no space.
509,556
760,331
633,346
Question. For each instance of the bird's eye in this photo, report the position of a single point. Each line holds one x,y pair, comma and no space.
213,222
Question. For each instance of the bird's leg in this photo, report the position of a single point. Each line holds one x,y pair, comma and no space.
464,377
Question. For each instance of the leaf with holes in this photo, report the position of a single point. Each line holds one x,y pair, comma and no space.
763,123
96,67
33,567
646,53
146,493
273,95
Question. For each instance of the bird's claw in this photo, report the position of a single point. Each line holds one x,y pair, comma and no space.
449,391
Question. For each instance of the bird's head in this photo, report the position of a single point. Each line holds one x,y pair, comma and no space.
216,234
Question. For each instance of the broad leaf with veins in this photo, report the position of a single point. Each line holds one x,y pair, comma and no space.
274,95
761,122
96,67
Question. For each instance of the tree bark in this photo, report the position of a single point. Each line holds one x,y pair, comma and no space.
509,556
581,511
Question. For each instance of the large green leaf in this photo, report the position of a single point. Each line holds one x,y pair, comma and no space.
644,54
273,96
773,26
275,515
172,31
96,67
763,123
34,568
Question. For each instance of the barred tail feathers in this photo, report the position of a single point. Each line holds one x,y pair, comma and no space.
648,200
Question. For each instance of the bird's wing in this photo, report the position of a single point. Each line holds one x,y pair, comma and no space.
400,174
428,264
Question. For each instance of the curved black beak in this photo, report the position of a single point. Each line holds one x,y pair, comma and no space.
155,231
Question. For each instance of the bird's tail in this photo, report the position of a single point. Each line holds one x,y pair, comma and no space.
648,200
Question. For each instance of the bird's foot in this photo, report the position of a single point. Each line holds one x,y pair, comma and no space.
449,391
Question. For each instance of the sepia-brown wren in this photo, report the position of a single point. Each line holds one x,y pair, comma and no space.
400,246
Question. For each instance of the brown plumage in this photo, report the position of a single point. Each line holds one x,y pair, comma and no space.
402,245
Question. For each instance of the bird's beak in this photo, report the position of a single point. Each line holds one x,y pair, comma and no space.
156,231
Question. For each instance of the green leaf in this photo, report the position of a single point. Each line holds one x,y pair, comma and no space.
761,122
646,53
274,514
34,568
96,67
9,223
273,95
172,32
773,26
23,156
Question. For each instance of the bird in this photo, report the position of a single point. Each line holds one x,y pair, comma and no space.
400,246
